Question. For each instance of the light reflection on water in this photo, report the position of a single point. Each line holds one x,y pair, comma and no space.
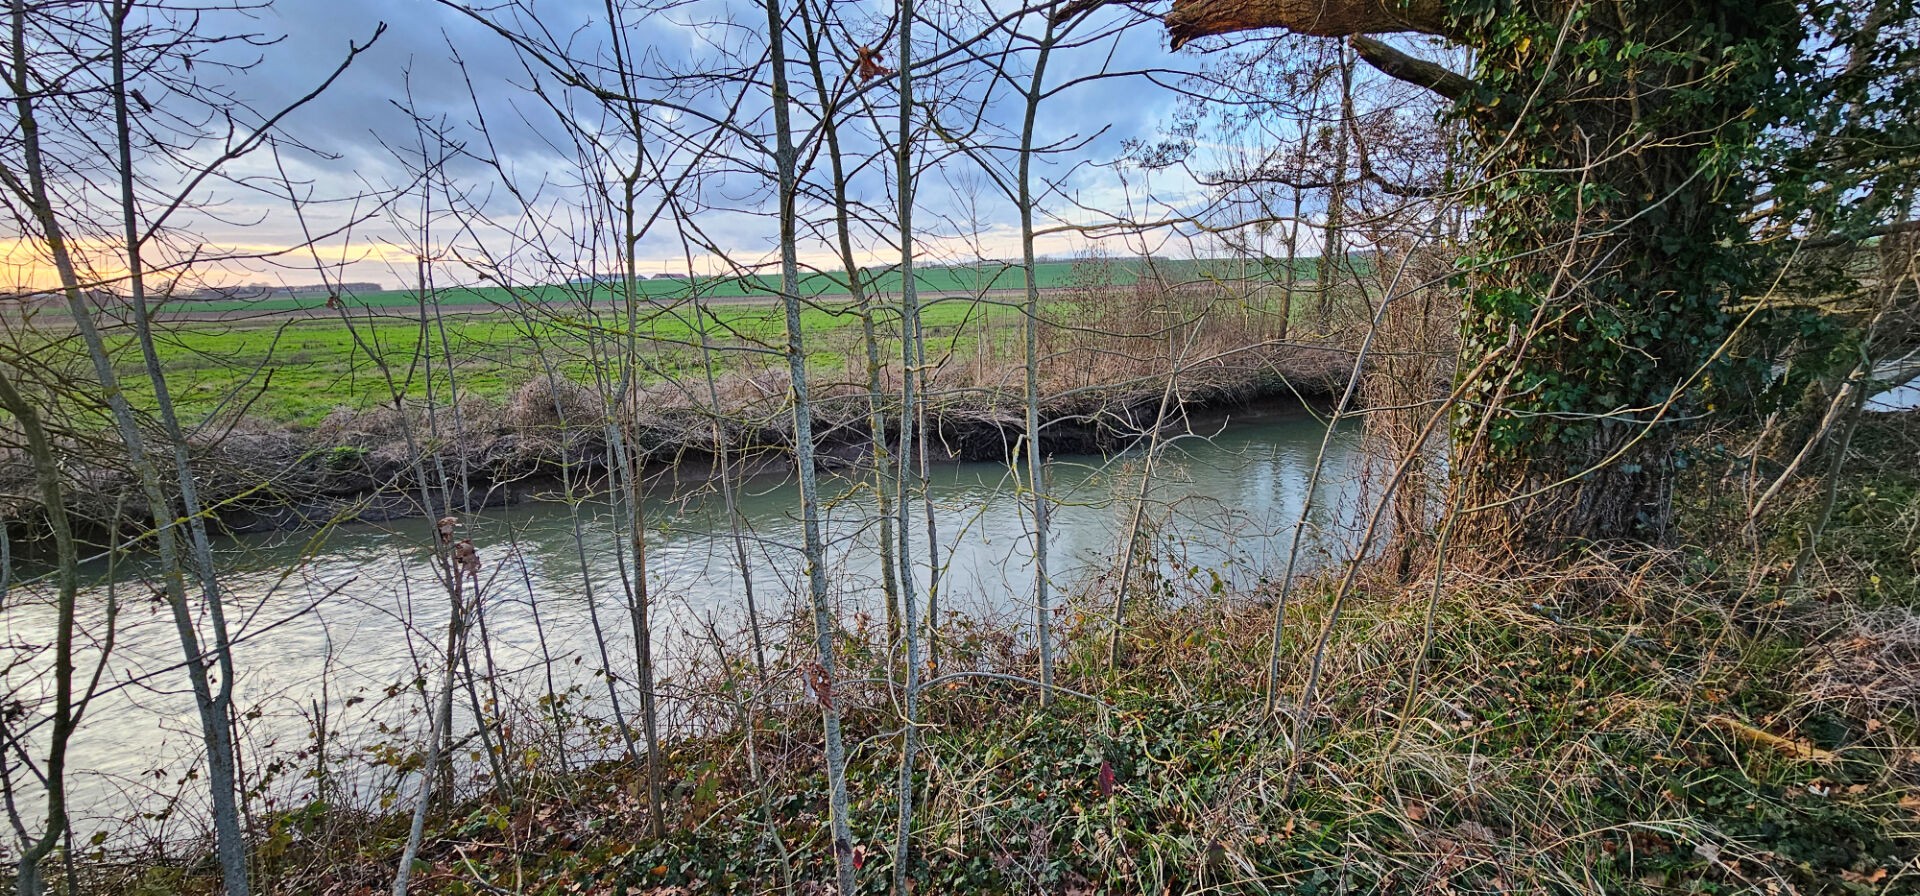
339,625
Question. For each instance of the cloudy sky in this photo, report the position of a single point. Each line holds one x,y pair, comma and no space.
507,200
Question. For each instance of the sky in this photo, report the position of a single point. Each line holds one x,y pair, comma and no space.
507,204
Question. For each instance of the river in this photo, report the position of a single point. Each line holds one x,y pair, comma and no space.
337,625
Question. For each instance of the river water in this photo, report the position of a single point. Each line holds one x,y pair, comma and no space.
338,625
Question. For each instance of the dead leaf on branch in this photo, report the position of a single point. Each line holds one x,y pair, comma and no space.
818,681
867,65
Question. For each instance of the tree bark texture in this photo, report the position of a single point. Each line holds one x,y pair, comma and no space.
1190,19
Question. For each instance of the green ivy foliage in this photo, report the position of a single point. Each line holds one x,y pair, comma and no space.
1615,142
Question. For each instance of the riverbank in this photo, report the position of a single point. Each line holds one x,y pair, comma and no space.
551,438
1688,721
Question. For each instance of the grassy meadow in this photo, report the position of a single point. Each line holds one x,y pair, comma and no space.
294,372
975,279
257,362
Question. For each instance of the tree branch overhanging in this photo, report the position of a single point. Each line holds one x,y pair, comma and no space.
1413,70
1190,19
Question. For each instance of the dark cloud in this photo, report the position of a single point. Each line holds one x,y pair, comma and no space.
355,128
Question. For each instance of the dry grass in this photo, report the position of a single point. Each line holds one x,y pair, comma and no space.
1610,725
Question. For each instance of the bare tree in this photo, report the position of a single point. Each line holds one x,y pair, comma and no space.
49,180
786,171
68,705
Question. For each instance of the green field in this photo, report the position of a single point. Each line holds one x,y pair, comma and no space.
936,279
296,372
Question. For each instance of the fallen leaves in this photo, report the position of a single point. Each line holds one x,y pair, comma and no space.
1855,877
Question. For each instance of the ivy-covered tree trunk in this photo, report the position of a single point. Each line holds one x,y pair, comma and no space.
1608,240
1607,252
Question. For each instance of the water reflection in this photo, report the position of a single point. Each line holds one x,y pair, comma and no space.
336,627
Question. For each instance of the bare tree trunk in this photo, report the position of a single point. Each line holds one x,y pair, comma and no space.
33,193
441,772
1036,460
1293,254
442,716
1333,248
66,715
910,323
493,740
640,608
640,599
893,586
922,477
786,163
430,303
625,468
216,725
